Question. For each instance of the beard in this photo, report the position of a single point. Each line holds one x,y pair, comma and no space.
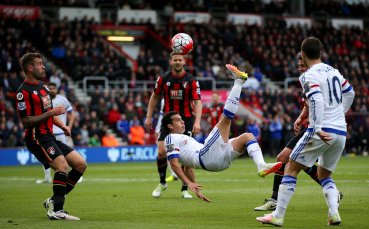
39,75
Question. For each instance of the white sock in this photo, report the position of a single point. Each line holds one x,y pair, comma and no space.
285,193
47,174
254,151
233,100
330,193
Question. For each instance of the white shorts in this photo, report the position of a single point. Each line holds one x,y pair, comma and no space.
216,155
310,148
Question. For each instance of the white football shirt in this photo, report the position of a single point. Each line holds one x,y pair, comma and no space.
185,148
329,96
60,100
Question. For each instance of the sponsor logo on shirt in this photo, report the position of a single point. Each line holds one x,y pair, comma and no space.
176,94
170,148
19,96
21,106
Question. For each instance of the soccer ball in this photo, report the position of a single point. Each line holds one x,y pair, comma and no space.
182,43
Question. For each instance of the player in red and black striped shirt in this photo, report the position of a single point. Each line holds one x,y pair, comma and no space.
181,93
38,115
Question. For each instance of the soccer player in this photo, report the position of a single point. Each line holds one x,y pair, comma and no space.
218,151
181,93
271,203
58,100
172,176
329,96
38,115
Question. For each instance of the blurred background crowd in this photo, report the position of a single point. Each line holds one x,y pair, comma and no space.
74,49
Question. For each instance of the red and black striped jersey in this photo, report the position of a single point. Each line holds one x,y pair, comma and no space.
178,92
215,111
33,99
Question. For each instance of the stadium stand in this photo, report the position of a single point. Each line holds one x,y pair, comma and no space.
74,49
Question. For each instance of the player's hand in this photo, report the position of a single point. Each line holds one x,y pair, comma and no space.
324,136
66,130
297,125
148,124
196,189
196,128
202,196
58,110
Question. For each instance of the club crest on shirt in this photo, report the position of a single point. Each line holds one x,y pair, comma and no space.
51,150
19,96
46,102
170,148
35,92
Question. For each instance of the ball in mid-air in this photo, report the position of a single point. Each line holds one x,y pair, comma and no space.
182,43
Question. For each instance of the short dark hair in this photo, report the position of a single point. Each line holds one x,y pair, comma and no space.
167,119
52,84
28,59
312,47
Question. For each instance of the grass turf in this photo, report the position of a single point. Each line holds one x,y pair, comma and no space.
119,196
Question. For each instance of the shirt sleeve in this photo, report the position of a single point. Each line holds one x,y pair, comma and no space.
158,86
68,106
22,103
348,95
196,93
312,91
172,147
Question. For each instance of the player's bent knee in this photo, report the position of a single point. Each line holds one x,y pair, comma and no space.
161,155
60,164
284,155
248,136
81,166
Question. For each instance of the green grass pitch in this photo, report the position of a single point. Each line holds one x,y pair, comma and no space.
119,196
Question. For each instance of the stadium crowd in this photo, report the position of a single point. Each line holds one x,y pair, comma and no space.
75,50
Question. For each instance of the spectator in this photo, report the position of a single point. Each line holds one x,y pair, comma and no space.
275,128
109,140
136,134
94,140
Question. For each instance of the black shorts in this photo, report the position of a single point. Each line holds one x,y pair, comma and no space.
47,150
292,143
188,129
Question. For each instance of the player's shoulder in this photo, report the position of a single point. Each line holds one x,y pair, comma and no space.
61,98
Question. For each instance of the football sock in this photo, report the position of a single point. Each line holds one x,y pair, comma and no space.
231,105
184,186
73,177
47,174
313,173
254,151
277,181
59,188
286,191
330,193
162,169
